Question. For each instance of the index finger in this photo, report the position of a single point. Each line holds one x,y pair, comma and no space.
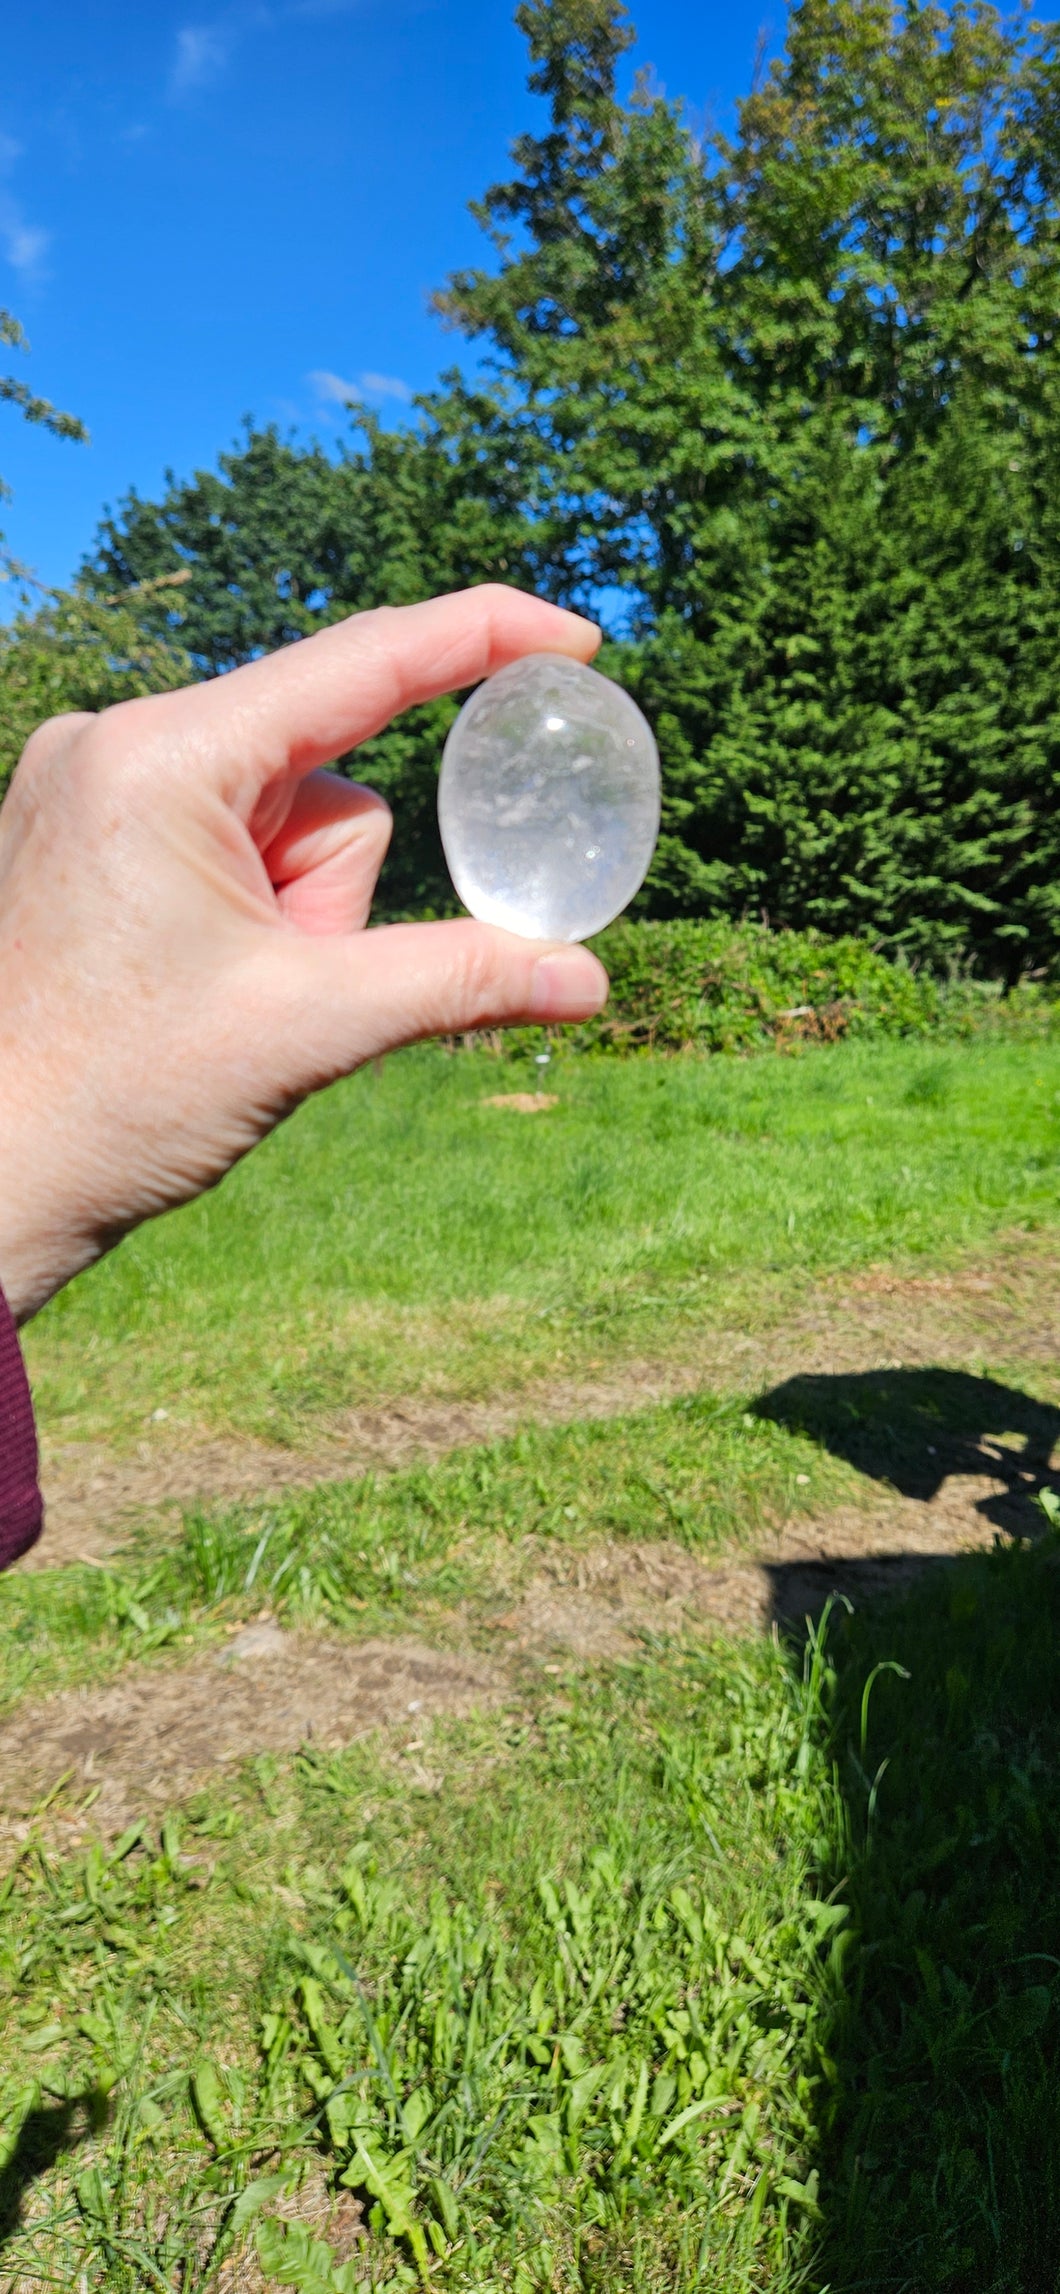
306,705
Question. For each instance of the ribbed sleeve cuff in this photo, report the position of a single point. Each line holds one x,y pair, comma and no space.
21,1505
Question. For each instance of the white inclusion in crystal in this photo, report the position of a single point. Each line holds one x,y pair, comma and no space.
548,801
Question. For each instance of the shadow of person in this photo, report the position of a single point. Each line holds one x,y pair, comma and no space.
47,2131
925,1434
916,1429
940,2129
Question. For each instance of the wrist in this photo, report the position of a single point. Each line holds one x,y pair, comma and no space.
35,1260
40,1245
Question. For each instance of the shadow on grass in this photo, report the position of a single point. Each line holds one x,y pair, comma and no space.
47,2132
915,1429
941,2156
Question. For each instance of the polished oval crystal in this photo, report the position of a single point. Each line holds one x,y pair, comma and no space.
548,801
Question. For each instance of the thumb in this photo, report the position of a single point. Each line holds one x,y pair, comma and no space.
348,999
324,857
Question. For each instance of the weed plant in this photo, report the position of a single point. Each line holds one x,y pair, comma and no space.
484,2004
565,2024
514,2085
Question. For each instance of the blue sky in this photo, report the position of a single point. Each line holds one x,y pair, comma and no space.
210,212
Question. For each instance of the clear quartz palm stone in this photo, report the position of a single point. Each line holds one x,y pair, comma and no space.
548,801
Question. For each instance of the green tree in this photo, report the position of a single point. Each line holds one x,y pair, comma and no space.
808,417
72,651
794,395
16,393
77,652
279,541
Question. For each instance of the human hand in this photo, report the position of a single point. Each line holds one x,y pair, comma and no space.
182,900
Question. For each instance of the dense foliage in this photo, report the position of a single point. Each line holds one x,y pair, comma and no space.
77,652
792,396
688,986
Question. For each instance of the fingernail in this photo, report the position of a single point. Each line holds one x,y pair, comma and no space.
569,985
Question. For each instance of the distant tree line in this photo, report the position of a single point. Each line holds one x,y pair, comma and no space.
787,403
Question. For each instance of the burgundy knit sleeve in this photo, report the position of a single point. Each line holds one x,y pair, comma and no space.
21,1505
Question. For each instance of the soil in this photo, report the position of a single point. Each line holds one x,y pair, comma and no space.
600,1602
157,1731
523,1102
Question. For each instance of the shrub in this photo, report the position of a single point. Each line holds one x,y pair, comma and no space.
714,986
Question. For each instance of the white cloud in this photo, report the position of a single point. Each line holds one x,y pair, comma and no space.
335,390
385,386
332,388
205,50
25,244
202,51
22,244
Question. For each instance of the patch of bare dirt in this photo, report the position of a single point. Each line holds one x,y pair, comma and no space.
154,1734
338,2219
157,1731
150,1736
92,1496
598,1603
523,1102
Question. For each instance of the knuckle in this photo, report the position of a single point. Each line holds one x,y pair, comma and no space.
48,738
88,757
115,745
45,763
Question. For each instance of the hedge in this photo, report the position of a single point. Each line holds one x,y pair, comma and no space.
695,987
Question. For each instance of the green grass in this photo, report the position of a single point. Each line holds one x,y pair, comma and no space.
718,1970
400,1236
565,2024
810,1902
392,1550
942,2166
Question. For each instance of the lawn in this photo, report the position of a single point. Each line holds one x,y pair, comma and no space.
724,1962
728,1967
401,1235
566,2021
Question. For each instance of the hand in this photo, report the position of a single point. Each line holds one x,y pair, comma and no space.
182,900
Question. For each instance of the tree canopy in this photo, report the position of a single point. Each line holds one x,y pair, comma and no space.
74,650
791,399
